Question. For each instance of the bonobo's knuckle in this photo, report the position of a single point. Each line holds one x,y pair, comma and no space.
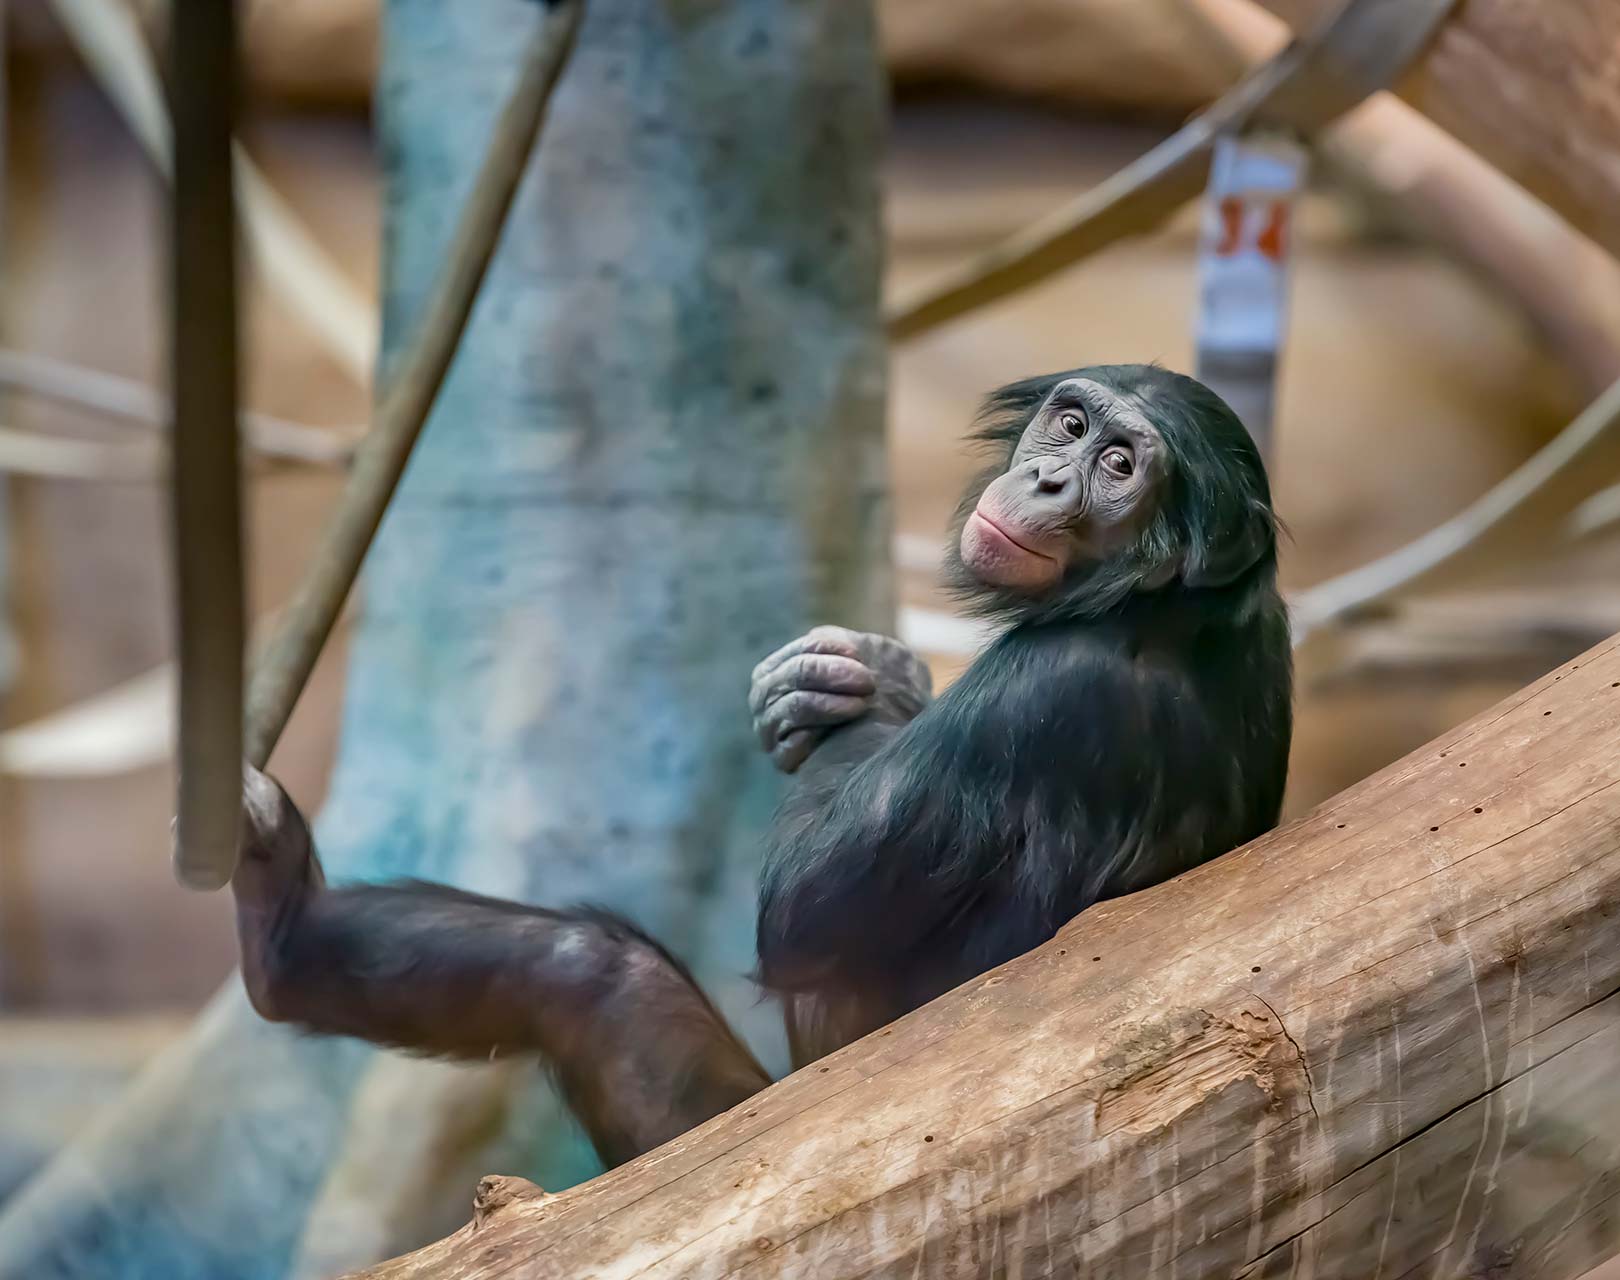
771,661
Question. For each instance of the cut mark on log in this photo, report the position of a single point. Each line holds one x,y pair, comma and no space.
1299,1053
1248,1050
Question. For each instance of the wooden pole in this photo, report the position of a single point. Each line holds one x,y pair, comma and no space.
206,489
1377,1042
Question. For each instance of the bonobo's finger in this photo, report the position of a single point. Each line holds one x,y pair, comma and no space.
795,748
816,672
838,640
805,710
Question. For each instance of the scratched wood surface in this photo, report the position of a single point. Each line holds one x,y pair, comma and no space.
1534,87
1383,1041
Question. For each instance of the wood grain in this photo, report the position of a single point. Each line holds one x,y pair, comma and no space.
1378,1042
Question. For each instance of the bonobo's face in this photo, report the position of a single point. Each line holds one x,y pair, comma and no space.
1085,479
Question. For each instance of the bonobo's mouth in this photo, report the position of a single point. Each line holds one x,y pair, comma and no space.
998,559
1001,535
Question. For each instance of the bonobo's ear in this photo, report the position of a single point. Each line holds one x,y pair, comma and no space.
1222,556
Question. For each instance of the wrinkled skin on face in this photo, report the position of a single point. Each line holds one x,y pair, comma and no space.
1085,478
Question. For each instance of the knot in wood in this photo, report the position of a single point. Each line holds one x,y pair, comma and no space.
497,1192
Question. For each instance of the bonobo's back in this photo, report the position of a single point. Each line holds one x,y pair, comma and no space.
1106,754
1132,721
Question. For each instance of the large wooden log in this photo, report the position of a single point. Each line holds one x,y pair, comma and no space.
1379,1042
1534,87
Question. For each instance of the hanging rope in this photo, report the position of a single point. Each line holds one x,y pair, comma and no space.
1315,607
380,459
1310,83
40,456
110,396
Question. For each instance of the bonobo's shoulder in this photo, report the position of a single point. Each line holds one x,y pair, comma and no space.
1168,646
1050,657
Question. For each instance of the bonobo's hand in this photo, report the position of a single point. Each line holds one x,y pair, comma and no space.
826,678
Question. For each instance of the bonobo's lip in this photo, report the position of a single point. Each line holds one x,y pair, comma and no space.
1006,537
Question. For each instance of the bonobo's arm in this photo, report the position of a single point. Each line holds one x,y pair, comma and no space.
639,1052
832,697
1025,786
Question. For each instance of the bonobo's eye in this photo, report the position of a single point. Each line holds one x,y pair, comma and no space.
1120,462
1074,422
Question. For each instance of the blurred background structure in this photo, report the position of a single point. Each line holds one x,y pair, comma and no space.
1413,379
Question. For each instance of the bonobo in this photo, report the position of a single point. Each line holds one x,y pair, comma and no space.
1131,721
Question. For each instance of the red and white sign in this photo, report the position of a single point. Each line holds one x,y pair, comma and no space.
1254,186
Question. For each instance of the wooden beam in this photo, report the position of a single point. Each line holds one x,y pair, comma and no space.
1534,87
1380,1041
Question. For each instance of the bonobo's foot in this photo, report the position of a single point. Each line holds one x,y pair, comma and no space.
826,678
277,876
278,854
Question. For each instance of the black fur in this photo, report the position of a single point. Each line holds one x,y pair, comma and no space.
1127,726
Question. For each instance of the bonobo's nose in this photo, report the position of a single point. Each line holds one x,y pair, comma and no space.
1055,477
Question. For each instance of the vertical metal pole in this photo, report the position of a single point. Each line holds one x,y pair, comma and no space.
207,515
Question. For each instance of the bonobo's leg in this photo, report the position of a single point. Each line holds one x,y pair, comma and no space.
640,1053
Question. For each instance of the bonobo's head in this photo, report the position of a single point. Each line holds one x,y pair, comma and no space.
1110,481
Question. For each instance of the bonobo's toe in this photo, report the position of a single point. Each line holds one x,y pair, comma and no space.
264,807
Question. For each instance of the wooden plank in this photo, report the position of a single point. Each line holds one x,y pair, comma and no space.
1378,1042
1534,87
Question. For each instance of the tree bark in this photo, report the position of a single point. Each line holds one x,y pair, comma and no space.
1534,87
659,454
1378,1042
